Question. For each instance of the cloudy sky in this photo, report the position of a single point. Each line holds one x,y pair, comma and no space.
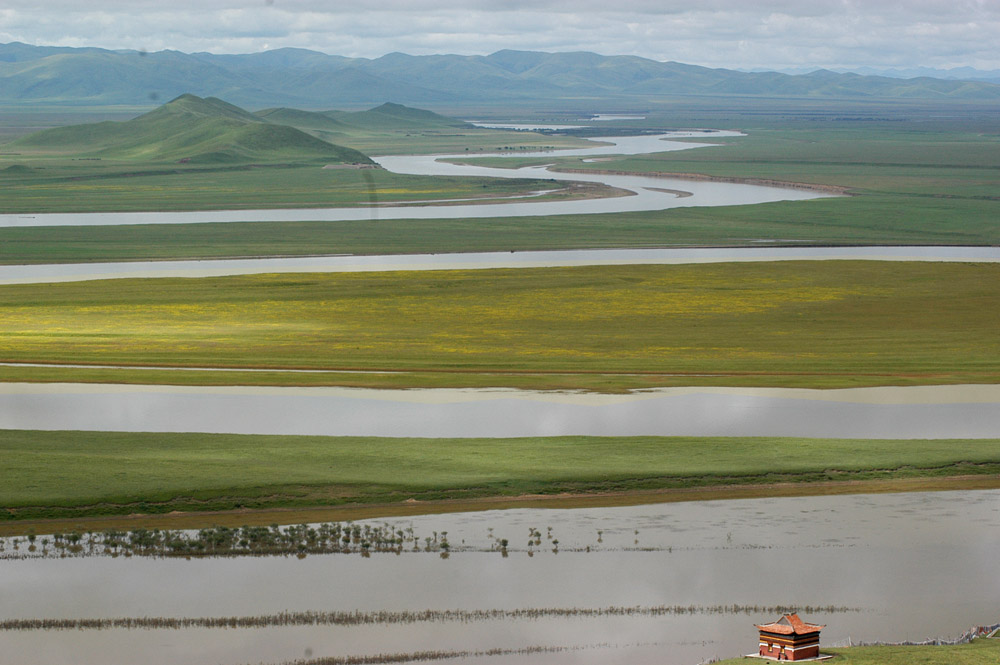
717,33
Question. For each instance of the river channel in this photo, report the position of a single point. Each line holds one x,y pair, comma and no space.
71,272
885,567
922,412
647,192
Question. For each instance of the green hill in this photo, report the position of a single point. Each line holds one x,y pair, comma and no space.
387,117
307,120
397,116
190,129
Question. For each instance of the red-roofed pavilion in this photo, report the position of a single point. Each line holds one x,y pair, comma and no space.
789,638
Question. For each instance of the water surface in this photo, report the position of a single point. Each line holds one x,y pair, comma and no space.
645,196
911,566
924,412
67,272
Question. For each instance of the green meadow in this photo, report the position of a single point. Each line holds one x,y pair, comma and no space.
78,474
827,324
908,185
74,186
978,652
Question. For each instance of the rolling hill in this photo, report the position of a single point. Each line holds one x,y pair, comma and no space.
397,116
190,129
388,116
302,78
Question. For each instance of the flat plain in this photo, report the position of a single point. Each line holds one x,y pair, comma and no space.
798,324
910,180
825,324
89,474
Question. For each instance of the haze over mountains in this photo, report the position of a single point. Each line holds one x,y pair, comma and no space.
302,78
954,74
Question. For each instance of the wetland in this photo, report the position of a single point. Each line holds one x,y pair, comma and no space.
681,582
676,583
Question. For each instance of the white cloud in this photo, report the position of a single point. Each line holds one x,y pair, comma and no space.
720,33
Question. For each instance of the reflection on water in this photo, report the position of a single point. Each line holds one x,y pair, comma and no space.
914,565
887,413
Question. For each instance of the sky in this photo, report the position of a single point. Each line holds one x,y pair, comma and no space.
737,34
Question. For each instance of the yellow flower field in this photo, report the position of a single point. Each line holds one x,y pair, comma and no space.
845,319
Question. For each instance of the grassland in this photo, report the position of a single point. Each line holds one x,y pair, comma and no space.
978,652
82,474
829,324
73,186
21,120
803,324
911,185
942,185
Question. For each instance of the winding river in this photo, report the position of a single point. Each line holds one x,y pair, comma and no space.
647,192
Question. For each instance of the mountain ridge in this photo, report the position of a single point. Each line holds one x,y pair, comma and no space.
303,78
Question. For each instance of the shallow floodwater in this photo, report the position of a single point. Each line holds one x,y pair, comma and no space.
924,412
645,195
898,566
70,272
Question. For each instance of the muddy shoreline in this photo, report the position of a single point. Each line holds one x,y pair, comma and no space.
412,507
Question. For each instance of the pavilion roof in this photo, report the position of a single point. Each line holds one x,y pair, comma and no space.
790,624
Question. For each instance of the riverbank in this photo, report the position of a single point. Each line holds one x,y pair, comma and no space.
571,191
63,481
178,519
834,190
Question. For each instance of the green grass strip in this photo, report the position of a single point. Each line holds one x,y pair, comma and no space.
70,473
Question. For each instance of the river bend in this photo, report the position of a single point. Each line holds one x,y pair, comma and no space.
647,194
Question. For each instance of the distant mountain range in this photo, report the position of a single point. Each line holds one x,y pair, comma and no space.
302,78
953,74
